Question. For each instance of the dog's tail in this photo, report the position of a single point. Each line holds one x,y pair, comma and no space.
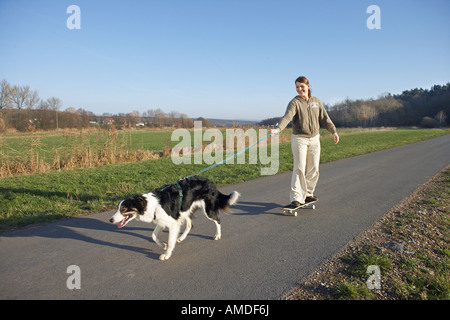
225,201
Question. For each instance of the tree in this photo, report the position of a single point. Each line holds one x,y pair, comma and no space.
5,94
19,95
43,105
367,115
54,103
173,116
32,99
186,122
133,118
205,122
441,117
71,110
160,118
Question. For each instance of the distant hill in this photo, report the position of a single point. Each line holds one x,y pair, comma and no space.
416,107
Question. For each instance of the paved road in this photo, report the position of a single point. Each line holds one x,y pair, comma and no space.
262,254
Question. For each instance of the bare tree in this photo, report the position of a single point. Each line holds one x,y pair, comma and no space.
186,122
19,95
5,94
43,105
367,115
150,113
133,117
160,118
32,99
72,110
54,103
440,118
173,116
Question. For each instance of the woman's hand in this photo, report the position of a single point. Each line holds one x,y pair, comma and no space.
274,131
336,138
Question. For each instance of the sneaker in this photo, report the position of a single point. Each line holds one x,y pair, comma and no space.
295,204
311,199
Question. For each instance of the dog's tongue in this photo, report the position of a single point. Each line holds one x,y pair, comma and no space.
121,223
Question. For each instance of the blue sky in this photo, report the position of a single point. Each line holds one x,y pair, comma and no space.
230,59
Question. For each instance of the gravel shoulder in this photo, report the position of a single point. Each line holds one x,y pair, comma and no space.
409,247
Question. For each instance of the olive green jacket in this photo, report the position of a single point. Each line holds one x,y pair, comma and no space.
306,116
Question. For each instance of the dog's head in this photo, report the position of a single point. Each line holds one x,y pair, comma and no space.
129,209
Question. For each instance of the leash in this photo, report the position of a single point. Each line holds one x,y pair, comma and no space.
180,191
229,158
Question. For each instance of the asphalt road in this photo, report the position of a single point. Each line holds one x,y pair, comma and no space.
261,255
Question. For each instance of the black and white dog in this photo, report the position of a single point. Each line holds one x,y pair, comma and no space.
173,205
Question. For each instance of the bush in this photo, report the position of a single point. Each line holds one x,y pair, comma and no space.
428,122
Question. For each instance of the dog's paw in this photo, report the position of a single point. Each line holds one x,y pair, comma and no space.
217,237
181,239
164,257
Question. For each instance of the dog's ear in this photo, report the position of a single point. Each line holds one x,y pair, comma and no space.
141,203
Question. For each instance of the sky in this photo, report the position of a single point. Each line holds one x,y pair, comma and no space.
228,59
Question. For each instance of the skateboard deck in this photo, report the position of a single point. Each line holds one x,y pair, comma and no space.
293,211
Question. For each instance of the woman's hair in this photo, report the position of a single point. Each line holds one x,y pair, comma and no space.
304,81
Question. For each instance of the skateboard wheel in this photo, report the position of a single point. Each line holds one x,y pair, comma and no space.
313,207
295,214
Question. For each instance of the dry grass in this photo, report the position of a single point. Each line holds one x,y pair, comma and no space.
80,150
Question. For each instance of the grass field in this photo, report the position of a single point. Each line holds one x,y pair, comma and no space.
65,150
42,152
42,197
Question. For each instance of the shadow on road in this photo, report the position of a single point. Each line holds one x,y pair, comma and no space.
67,230
255,208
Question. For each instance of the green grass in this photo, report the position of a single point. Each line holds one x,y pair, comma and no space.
351,290
43,197
361,260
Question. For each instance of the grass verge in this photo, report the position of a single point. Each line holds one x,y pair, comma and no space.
44,197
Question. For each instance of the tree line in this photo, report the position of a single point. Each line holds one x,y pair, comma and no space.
22,109
416,107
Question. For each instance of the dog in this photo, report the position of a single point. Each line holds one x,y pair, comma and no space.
173,205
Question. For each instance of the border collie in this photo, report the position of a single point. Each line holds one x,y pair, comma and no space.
172,205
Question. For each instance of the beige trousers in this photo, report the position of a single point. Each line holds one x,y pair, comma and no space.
305,174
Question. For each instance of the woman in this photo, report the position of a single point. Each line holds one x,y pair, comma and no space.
306,111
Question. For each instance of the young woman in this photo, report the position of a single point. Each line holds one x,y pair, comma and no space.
306,112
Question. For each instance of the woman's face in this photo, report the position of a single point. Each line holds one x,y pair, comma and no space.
302,89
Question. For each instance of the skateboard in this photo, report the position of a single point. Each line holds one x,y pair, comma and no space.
293,211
